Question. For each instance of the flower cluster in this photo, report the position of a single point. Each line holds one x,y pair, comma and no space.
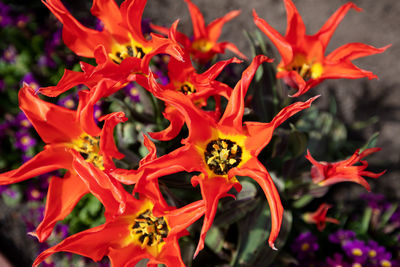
223,143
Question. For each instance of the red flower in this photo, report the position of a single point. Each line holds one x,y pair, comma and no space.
220,150
63,132
197,87
121,36
148,228
304,64
204,46
319,217
326,173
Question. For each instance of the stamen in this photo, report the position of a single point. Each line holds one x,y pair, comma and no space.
89,148
150,229
221,155
187,88
126,51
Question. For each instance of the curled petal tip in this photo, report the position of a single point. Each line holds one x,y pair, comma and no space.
272,245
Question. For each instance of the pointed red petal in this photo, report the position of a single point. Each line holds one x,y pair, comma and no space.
50,159
261,133
199,28
180,219
295,30
326,32
283,46
212,189
175,126
215,27
255,170
62,196
54,124
233,114
353,51
78,38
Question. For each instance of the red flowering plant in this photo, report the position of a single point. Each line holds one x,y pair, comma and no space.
220,150
143,194
304,64
121,36
318,217
204,45
327,173
184,78
64,133
147,228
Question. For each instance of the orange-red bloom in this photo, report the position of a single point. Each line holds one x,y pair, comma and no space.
197,87
121,36
304,64
63,132
148,228
326,173
204,46
319,218
220,150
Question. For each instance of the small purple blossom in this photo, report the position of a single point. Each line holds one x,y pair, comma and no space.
30,80
5,17
132,92
342,236
24,141
46,61
99,25
9,54
161,77
336,261
5,189
2,85
34,194
376,201
21,121
356,250
69,102
305,245
21,21
61,231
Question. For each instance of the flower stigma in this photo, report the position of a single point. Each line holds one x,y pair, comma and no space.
221,155
149,230
89,148
187,88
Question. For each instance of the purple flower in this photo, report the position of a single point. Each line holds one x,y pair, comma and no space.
356,250
34,194
46,61
5,189
30,80
337,261
61,231
376,201
21,20
69,102
5,18
146,29
99,25
24,141
305,245
342,236
21,121
9,54
162,78
132,92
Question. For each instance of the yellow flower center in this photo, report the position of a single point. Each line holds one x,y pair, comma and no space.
89,147
307,70
132,49
202,45
221,155
386,263
69,103
356,265
305,247
149,230
25,140
187,88
25,123
356,252
372,253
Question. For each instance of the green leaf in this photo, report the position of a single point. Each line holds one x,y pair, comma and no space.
215,239
365,221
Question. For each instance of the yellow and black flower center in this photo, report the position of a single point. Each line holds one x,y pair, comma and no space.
150,230
221,155
89,148
125,51
307,70
187,88
202,45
